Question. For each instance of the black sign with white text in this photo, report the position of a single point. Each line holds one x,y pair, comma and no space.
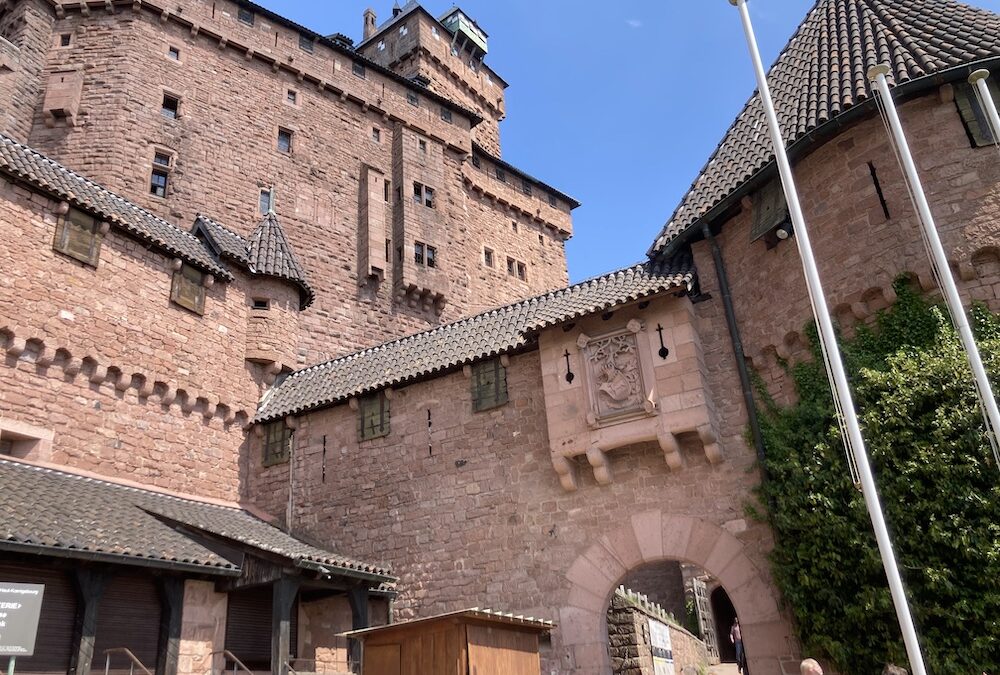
20,608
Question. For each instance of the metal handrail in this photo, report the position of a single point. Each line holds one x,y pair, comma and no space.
231,657
134,661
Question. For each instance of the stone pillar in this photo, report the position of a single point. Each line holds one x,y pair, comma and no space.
203,628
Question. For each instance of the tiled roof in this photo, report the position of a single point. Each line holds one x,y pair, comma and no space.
49,511
267,252
573,203
444,348
23,163
822,73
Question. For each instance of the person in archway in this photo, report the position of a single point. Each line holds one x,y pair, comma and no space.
736,637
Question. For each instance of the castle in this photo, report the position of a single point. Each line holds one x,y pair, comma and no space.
289,348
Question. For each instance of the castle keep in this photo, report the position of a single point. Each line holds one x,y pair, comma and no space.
289,348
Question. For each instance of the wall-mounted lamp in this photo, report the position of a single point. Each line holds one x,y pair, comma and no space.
664,352
784,231
569,373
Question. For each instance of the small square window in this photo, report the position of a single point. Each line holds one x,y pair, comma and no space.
501,175
161,158
158,183
245,16
488,257
306,43
526,187
431,256
171,106
418,253
446,115
188,289
476,162
358,69
403,30
264,203
541,240
489,385
78,235
377,135
373,417
65,39
522,271
423,195
292,96
277,443
381,45
511,267
261,304
284,140
552,200
422,144
174,53
412,98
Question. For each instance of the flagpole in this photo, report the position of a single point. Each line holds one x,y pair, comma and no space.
978,80
835,364
938,257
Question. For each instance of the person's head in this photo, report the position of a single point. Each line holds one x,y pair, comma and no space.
810,667
736,621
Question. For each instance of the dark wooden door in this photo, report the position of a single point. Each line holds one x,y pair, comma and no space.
128,616
54,640
248,626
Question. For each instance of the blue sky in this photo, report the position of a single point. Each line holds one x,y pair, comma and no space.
616,103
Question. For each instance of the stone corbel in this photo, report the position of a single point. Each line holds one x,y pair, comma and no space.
566,470
208,280
211,405
599,461
109,6
84,9
353,403
671,450
169,395
99,374
16,346
136,6
709,441
194,30
164,16
145,389
73,366
62,208
176,264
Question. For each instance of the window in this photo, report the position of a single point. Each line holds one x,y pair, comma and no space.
769,211
292,96
973,116
174,53
381,45
158,182
262,304
418,253
513,225
501,175
541,240
188,289
446,114
403,30
65,39
526,187
431,257
358,69
423,195
386,190
552,200
305,43
78,235
489,385
476,162
412,98
488,257
171,106
373,418
522,271
245,16
377,135
284,140
511,267
424,254
422,144
388,250
264,204
277,443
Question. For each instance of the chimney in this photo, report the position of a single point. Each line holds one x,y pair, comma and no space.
369,23
396,9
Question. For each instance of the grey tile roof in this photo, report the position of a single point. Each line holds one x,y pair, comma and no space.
23,163
444,348
822,74
267,252
56,512
573,203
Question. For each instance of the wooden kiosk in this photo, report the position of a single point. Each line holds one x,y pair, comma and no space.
468,642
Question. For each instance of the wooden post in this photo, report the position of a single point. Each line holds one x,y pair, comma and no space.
89,588
283,599
358,597
171,603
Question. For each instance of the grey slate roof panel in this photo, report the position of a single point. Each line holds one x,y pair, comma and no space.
23,163
267,252
822,73
481,336
65,513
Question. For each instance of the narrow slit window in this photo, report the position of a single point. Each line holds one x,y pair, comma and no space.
488,257
264,202
284,141
292,96
377,135
261,304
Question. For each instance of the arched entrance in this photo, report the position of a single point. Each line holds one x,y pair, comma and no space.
653,536
725,614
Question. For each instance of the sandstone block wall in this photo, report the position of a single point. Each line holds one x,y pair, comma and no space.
25,39
630,643
235,84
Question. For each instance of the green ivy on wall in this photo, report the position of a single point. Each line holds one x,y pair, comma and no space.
939,485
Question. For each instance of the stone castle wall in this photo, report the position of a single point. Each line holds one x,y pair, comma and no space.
630,644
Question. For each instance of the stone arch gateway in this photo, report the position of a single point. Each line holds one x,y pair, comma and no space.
653,536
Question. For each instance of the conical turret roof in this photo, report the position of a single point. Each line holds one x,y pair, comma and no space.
821,75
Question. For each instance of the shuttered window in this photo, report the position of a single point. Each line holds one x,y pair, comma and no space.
373,418
78,236
489,385
128,616
188,289
769,210
248,627
54,639
277,443
977,126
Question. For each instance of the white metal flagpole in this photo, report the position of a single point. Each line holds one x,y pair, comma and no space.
936,251
835,364
978,80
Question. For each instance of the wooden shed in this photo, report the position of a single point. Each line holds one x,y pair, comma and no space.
469,642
